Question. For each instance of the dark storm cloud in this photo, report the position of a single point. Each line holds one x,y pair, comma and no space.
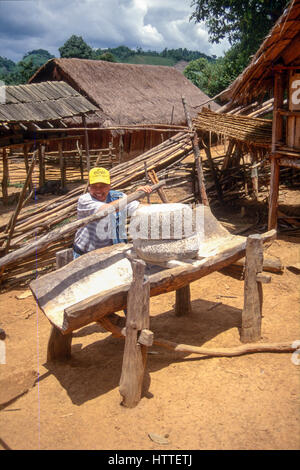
150,24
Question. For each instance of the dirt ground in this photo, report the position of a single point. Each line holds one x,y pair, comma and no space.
192,402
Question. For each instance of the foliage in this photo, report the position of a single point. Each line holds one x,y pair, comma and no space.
22,71
6,65
238,20
38,56
214,77
101,55
245,23
75,46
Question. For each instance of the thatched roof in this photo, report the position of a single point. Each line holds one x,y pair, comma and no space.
127,93
251,131
280,47
48,101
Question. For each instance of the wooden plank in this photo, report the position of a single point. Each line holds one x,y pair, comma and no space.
183,305
5,177
273,198
59,345
134,358
194,140
253,294
164,280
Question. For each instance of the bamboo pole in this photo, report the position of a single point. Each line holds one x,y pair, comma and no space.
5,177
196,150
60,233
86,143
17,210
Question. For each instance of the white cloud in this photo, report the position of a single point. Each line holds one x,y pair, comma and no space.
151,24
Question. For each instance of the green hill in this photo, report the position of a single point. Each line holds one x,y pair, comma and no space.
149,60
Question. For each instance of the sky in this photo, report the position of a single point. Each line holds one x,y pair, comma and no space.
26,25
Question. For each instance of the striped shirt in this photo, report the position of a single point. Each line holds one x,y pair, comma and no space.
107,231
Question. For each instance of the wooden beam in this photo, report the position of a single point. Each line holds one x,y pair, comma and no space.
86,144
194,139
183,305
135,353
62,164
273,197
290,162
253,295
59,345
167,280
41,154
5,177
277,124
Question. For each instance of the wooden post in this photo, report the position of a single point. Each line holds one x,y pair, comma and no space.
274,190
59,345
154,180
147,181
121,148
253,295
183,301
41,153
79,149
135,353
277,123
110,145
62,164
86,144
254,174
25,151
5,177
196,150
212,168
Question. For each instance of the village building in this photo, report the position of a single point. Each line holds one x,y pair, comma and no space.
31,117
127,94
274,72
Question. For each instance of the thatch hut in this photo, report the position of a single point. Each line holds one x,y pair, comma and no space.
274,72
126,94
31,116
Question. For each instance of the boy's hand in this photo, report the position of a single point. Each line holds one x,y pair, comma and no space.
146,189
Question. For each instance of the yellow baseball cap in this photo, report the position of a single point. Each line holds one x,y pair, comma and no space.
99,175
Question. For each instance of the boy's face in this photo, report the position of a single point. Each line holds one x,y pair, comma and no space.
99,191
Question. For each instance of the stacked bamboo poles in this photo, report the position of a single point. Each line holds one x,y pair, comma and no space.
31,224
257,132
17,169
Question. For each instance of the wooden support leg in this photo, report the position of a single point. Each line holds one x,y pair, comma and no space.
253,295
273,198
59,345
183,301
135,352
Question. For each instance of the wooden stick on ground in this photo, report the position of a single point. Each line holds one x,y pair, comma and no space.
277,347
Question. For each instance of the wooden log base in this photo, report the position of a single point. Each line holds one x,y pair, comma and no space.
59,346
183,301
253,294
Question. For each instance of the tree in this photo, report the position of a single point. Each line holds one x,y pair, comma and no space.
241,21
108,56
75,46
39,56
